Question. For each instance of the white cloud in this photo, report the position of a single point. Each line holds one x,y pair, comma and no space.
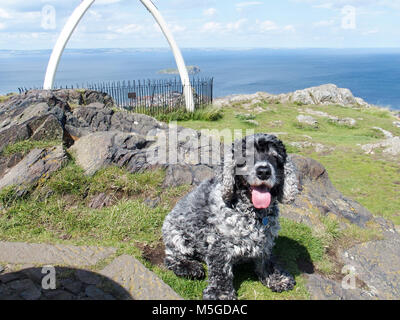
210,12
107,1
211,27
95,14
176,28
338,4
219,27
267,25
237,25
369,32
327,5
126,29
324,23
248,4
2,26
4,14
289,28
242,5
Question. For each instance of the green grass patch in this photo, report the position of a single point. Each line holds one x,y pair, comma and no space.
57,212
27,145
305,127
296,242
6,97
374,181
200,114
245,116
9,195
70,180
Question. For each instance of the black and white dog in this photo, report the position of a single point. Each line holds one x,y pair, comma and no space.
233,217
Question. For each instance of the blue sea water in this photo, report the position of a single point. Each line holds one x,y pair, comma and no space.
372,74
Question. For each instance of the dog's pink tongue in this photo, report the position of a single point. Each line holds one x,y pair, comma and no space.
260,197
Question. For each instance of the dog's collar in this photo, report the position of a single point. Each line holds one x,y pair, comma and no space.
265,221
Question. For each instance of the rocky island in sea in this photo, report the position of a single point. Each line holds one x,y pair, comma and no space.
192,70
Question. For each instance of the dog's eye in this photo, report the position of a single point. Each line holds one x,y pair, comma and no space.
241,165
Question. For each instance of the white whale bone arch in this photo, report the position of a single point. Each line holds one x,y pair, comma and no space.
74,20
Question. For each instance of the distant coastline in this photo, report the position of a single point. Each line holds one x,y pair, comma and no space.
192,70
371,74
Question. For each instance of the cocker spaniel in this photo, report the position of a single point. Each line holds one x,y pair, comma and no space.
233,217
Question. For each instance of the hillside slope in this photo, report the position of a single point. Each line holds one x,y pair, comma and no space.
75,170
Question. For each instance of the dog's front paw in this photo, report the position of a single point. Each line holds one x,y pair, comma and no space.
279,281
211,293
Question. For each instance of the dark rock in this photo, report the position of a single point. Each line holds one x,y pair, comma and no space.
8,277
90,97
96,294
32,293
35,274
1,268
87,277
201,173
35,113
121,149
21,285
58,295
49,129
26,289
178,175
321,288
13,134
37,164
318,192
377,263
71,285
9,162
88,119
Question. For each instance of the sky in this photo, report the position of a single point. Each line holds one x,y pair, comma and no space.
35,24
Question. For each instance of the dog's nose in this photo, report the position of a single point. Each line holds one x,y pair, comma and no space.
263,172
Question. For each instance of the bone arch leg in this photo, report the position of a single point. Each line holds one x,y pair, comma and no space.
74,20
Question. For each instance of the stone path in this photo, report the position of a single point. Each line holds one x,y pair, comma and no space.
24,274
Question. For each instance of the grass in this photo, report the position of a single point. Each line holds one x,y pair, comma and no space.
374,181
58,212
6,97
245,116
200,114
25,146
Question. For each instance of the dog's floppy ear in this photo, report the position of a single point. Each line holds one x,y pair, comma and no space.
291,184
227,175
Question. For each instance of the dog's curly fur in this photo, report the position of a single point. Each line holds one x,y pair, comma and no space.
218,224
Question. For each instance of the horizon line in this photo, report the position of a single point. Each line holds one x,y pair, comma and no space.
216,48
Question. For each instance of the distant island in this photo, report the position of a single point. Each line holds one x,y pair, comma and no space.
191,70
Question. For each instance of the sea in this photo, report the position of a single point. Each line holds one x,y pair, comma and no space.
372,74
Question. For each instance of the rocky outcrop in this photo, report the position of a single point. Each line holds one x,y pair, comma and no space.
390,146
345,122
307,120
377,263
322,95
318,193
38,164
321,288
97,136
326,94
112,147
